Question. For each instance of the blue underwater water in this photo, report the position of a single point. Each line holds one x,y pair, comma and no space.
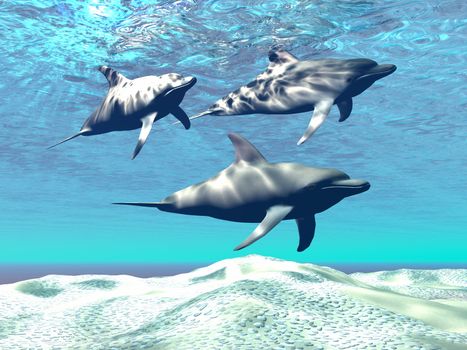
406,134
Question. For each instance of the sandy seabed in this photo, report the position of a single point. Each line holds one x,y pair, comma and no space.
250,303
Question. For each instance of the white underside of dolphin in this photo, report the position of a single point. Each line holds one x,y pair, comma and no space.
138,103
291,86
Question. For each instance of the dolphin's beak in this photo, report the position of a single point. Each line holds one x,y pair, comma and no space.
349,187
185,85
379,71
188,82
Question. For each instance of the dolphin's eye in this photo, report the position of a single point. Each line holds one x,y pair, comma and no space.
310,187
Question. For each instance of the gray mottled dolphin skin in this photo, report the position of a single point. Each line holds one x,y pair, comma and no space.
253,190
138,103
292,86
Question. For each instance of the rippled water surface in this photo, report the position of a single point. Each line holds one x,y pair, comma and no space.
406,134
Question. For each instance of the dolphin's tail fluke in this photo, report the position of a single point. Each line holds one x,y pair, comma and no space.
158,205
69,138
202,114
199,115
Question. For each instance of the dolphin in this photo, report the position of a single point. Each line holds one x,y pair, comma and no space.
138,103
253,190
291,86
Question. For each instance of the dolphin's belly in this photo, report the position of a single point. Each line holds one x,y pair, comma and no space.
121,111
118,115
272,97
238,193
252,213
243,213
208,197
216,205
102,123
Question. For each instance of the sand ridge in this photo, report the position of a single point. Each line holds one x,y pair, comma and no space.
253,302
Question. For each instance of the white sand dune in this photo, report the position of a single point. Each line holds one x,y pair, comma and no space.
246,303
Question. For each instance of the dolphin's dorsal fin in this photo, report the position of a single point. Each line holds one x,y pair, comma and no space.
244,150
281,56
113,77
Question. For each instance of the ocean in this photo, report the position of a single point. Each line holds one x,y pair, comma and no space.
406,136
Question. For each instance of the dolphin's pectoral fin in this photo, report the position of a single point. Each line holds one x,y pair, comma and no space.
306,230
320,113
244,150
345,108
113,77
145,130
274,215
180,114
